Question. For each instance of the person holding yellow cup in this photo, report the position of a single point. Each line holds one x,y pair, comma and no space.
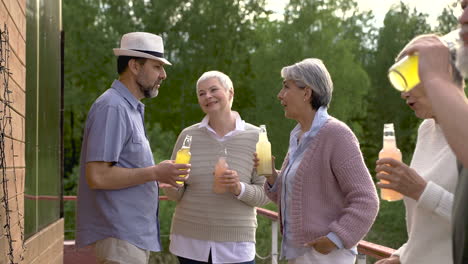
403,75
428,183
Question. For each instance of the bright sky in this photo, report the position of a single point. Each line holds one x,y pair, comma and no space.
380,7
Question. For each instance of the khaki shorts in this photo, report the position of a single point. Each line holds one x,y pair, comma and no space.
115,251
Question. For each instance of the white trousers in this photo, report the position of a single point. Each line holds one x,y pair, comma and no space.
338,256
115,251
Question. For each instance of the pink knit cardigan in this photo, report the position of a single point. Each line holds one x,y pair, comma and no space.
333,190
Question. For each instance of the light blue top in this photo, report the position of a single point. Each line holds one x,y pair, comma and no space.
296,152
115,133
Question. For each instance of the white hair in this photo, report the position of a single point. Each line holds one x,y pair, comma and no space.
223,79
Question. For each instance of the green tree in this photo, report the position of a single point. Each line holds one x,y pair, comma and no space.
447,20
400,25
204,35
333,31
89,62
199,35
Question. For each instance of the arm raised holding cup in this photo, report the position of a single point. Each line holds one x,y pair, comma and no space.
436,68
448,98
429,182
451,109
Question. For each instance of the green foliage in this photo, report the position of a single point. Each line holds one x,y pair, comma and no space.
166,210
312,29
447,20
89,62
205,35
161,141
70,187
389,228
385,105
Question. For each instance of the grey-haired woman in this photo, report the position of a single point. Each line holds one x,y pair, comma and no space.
327,199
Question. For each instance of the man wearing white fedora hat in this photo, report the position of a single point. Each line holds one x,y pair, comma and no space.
118,188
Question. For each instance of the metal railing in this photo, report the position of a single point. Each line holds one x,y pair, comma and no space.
364,248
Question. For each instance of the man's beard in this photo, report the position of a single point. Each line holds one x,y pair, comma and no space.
462,60
149,91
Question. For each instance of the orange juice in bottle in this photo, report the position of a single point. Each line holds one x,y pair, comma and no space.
183,154
389,150
220,167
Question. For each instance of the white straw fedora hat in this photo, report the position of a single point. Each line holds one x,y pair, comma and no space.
142,45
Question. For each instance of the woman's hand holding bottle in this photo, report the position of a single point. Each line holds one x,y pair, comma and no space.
270,179
225,179
230,180
400,178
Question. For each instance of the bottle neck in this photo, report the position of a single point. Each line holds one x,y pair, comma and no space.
187,142
389,142
262,136
223,153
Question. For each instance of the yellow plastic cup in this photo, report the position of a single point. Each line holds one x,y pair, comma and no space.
403,74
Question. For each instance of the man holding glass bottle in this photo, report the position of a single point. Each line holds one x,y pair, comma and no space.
450,106
118,194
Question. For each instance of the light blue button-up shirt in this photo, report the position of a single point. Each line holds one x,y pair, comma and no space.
115,133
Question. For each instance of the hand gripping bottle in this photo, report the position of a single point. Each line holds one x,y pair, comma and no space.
183,154
264,153
389,150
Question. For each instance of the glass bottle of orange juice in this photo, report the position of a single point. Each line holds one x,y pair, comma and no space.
183,154
390,150
220,167
263,149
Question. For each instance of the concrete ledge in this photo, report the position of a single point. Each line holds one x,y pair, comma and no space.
44,246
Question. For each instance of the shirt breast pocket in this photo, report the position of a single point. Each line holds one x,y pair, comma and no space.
137,139
139,151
